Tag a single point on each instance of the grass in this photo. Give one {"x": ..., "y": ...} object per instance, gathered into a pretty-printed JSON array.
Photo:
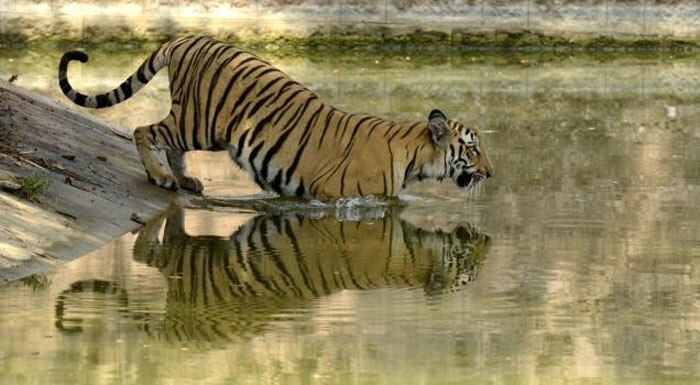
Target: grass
[{"x": 31, "y": 186}]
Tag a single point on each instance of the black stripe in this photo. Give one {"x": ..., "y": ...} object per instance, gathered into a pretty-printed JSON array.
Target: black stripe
[
  {"x": 258, "y": 127},
  {"x": 276, "y": 112},
  {"x": 375, "y": 125},
  {"x": 391, "y": 138},
  {"x": 272, "y": 151},
  {"x": 271, "y": 83},
  {"x": 182, "y": 133},
  {"x": 140, "y": 76},
  {"x": 241, "y": 143},
  {"x": 263, "y": 99},
  {"x": 102, "y": 101},
  {"x": 277, "y": 182},
  {"x": 324, "y": 282},
  {"x": 190, "y": 92},
  {"x": 410, "y": 129},
  {"x": 165, "y": 134},
  {"x": 80, "y": 99},
  {"x": 236, "y": 118},
  {"x": 277, "y": 94},
  {"x": 223, "y": 99},
  {"x": 193, "y": 269},
  {"x": 275, "y": 257},
  {"x": 212, "y": 87},
  {"x": 251, "y": 162},
  {"x": 411, "y": 163},
  {"x": 391, "y": 169},
  {"x": 277, "y": 222},
  {"x": 294, "y": 94},
  {"x": 183, "y": 59},
  {"x": 330, "y": 171},
  {"x": 301, "y": 263},
  {"x": 346, "y": 153},
  {"x": 305, "y": 137},
  {"x": 255, "y": 271},
  {"x": 174, "y": 132},
  {"x": 300, "y": 189},
  {"x": 290, "y": 127},
  {"x": 254, "y": 152},
  {"x": 357, "y": 126},
  {"x": 197, "y": 69},
  {"x": 152, "y": 132},
  {"x": 348, "y": 116},
  {"x": 326, "y": 126},
  {"x": 241, "y": 261},
  {"x": 342, "y": 180},
  {"x": 243, "y": 95},
  {"x": 126, "y": 89},
  {"x": 202, "y": 119},
  {"x": 150, "y": 65}
]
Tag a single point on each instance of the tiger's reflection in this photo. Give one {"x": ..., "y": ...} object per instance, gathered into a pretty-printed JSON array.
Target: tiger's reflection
[
  {"x": 273, "y": 266},
  {"x": 277, "y": 262}
]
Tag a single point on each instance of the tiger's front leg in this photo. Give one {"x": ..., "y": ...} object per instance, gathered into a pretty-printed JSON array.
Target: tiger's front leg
[{"x": 176, "y": 159}]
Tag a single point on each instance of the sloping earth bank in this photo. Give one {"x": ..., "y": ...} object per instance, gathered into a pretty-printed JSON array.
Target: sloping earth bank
[{"x": 98, "y": 189}]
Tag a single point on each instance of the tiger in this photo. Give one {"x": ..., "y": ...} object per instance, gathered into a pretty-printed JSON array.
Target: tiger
[
  {"x": 231, "y": 287},
  {"x": 225, "y": 98}
]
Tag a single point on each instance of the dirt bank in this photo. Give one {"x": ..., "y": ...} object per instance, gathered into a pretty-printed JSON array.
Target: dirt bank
[{"x": 96, "y": 186}]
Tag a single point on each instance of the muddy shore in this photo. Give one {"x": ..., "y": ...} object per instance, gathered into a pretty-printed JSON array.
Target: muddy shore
[{"x": 96, "y": 190}]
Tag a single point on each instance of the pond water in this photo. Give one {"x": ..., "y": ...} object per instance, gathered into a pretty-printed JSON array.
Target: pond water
[{"x": 578, "y": 263}]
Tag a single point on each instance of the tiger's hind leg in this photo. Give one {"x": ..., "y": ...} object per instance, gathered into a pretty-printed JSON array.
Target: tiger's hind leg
[{"x": 150, "y": 143}]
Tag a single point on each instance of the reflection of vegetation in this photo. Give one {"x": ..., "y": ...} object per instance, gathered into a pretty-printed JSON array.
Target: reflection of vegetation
[
  {"x": 36, "y": 282},
  {"x": 68, "y": 323}
]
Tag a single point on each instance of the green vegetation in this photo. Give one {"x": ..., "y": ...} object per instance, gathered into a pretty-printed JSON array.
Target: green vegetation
[
  {"x": 368, "y": 38},
  {"x": 31, "y": 186}
]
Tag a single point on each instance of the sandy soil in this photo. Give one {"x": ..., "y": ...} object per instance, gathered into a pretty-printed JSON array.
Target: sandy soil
[{"x": 98, "y": 186}]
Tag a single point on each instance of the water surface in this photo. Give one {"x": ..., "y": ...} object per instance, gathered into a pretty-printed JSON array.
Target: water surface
[{"x": 578, "y": 263}]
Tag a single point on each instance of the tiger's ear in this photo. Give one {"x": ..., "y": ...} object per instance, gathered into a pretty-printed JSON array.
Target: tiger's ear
[{"x": 437, "y": 124}]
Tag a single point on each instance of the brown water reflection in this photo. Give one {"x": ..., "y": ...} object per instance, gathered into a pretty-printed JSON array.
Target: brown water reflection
[{"x": 592, "y": 275}]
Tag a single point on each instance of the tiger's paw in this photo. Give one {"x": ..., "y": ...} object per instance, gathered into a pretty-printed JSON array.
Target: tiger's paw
[
  {"x": 192, "y": 184},
  {"x": 165, "y": 181}
]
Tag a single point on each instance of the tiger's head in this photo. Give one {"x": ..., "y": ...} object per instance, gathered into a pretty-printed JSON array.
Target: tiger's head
[
  {"x": 465, "y": 157},
  {"x": 463, "y": 252}
]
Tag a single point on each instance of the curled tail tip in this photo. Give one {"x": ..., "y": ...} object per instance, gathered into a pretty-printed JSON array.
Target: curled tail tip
[
  {"x": 70, "y": 56},
  {"x": 75, "y": 55}
]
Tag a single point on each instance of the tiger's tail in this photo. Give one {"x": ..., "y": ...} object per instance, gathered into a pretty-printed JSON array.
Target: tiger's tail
[{"x": 148, "y": 69}]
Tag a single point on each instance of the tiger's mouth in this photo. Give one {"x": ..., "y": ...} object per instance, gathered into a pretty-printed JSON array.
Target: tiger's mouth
[{"x": 466, "y": 180}]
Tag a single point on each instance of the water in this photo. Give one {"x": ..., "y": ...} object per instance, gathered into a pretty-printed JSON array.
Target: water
[{"x": 578, "y": 263}]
